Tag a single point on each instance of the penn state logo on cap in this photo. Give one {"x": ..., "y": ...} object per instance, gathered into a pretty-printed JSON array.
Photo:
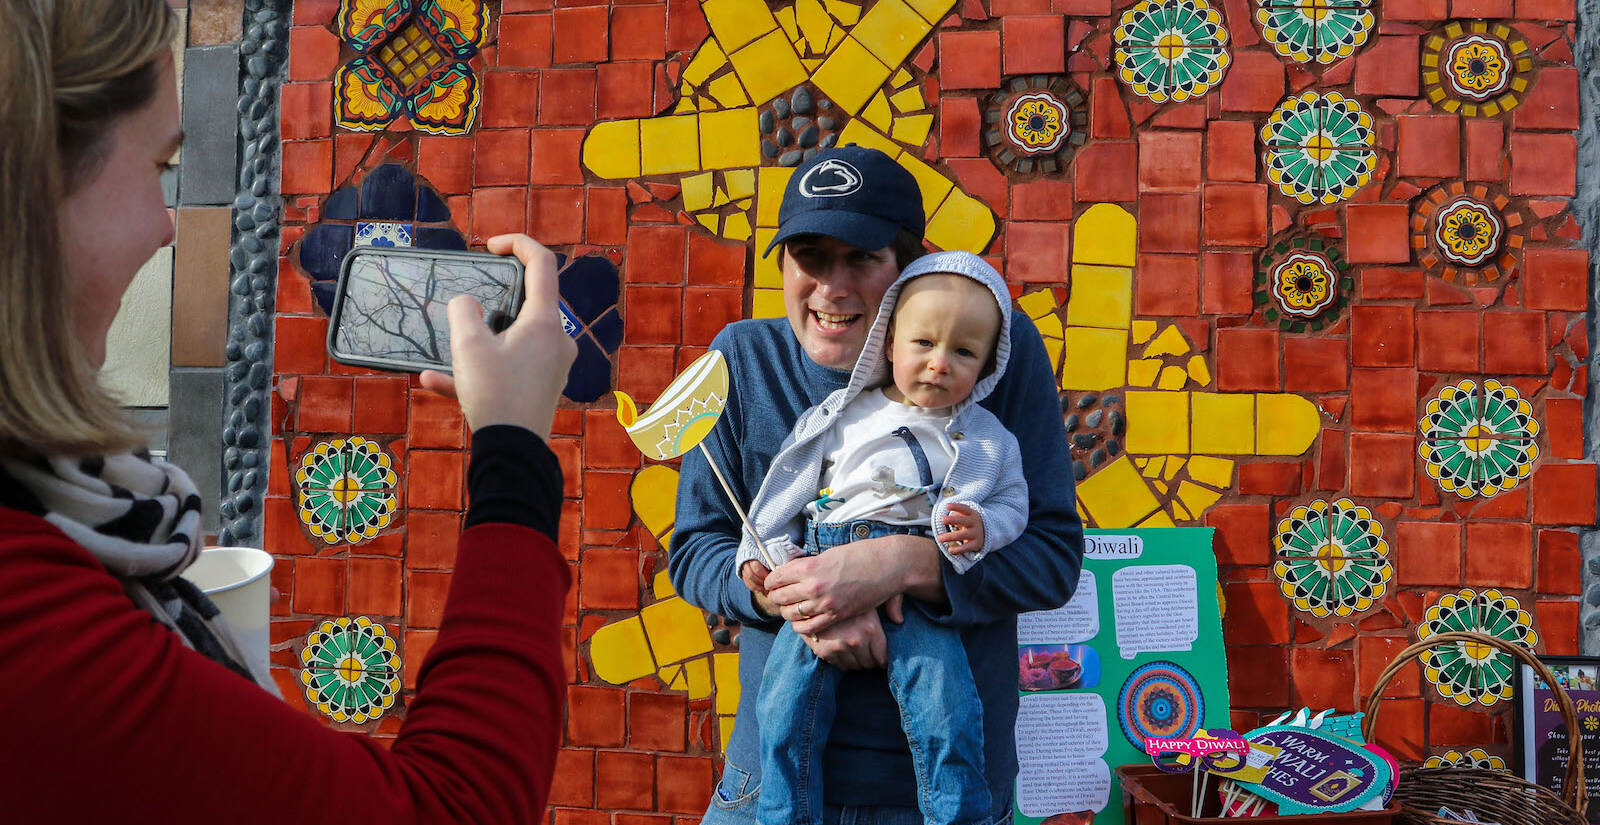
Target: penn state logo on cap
[{"x": 832, "y": 178}]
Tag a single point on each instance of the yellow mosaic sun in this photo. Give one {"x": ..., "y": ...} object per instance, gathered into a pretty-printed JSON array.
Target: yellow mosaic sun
[{"x": 712, "y": 138}]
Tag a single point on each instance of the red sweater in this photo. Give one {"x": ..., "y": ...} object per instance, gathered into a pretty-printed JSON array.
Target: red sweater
[{"x": 109, "y": 718}]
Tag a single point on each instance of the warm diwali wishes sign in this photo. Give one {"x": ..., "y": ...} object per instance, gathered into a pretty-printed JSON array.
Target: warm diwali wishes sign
[{"x": 1136, "y": 655}]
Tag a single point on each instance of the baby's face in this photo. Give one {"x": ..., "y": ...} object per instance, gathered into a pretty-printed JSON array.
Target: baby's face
[{"x": 943, "y": 330}]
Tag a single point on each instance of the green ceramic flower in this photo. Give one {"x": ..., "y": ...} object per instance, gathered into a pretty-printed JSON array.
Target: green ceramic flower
[
  {"x": 1478, "y": 442},
  {"x": 350, "y": 670},
  {"x": 345, "y": 490},
  {"x": 1171, "y": 49},
  {"x": 1475, "y": 673},
  {"x": 1331, "y": 558}
]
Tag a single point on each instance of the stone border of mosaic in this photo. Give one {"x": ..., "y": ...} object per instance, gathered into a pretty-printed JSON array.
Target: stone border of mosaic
[
  {"x": 1587, "y": 207},
  {"x": 253, "y": 267}
]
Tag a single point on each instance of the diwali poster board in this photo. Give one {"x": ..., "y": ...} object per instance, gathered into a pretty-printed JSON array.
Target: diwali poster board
[
  {"x": 1542, "y": 748},
  {"x": 1143, "y": 631}
]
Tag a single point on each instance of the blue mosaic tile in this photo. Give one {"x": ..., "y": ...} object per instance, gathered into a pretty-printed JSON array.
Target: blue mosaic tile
[
  {"x": 389, "y": 194},
  {"x": 430, "y": 207}
]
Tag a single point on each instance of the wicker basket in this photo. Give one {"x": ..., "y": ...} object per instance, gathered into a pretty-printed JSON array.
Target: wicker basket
[{"x": 1494, "y": 796}]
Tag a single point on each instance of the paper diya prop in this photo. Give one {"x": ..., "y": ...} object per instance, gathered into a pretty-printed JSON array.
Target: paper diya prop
[
  {"x": 1318, "y": 772},
  {"x": 681, "y": 419},
  {"x": 684, "y": 414}
]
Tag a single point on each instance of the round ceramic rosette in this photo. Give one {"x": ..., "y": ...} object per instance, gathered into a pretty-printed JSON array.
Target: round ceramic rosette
[
  {"x": 1476, "y": 68},
  {"x": 345, "y": 490},
  {"x": 1320, "y": 31},
  {"x": 350, "y": 670},
  {"x": 1302, "y": 281},
  {"x": 1470, "y": 674},
  {"x": 1319, "y": 147},
  {"x": 1331, "y": 559},
  {"x": 1476, "y": 758},
  {"x": 1478, "y": 442},
  {"x": 1171, "y": 49},
  {"x": 1468, "y": 232},
  {"x": 1034, "y": 124}
]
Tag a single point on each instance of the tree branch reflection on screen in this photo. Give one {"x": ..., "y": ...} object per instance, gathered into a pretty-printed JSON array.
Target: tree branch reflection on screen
[{"x": 394, "y": 307}]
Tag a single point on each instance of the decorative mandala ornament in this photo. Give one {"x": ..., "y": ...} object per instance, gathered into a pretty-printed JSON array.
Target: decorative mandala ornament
[
  {"x": 1320, "y": 31},
  {"x": 1468, "y": 233},
  {"x": 1475, "y": 673},
  {"x": 1303, "y": 281},
  {"x": 1319, "y": 148},
  {"x": 1331, "y": 559},
  {"x": 345, "y": 490},
  {"x": 1160, "y": 699},
  {"x": 1477, "y": 758},
  {"x": 412, "y": 59},
  {"x": 1478, "y": 442},
  {"x": 350, "y": 669},
  {"x": 1034, "y": 124},
  {"x": 1171, "y": 49},
  {"x": 1476, "y": 68}
]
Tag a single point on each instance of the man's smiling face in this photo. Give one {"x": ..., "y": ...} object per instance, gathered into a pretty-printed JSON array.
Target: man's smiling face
[{"x": 831, "y": 292}]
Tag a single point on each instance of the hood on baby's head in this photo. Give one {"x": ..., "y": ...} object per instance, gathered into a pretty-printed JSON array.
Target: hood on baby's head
[{"x": 872, "y": 369}]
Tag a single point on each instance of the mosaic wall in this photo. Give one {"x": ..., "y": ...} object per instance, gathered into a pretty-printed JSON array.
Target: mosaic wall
[{"x": 1309, "y": 272}]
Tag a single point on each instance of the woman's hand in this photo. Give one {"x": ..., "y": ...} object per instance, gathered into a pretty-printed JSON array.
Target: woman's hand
[
  {"x": 848, "y": 580},
  {"x": 514, "y": 377}
]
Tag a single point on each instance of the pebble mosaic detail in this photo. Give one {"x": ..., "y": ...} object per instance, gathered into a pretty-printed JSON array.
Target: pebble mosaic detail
[
  {"x": 1469, "y": 674},
  {"x": 1331, "y": 559},
  {"x": 350, "y": 670}
]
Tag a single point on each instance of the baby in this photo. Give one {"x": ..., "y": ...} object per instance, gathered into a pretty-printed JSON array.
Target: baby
[{"x": 904, "y": 448}]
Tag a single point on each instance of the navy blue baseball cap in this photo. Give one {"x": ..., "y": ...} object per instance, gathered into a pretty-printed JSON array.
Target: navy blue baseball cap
[{"x": 858, "y": 195}]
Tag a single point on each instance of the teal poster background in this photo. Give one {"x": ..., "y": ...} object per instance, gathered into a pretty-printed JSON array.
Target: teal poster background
[{"x": 1143, "y": 626}]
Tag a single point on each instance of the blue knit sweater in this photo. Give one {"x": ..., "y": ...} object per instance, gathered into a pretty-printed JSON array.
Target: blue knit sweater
[{"x": 867, "y": 761}]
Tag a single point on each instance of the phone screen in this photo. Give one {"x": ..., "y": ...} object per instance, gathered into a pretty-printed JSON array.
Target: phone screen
[{"x": 391, "y": 310}]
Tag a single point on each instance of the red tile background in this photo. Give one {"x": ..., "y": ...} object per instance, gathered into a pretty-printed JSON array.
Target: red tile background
[{"x": 641, "y": 754}]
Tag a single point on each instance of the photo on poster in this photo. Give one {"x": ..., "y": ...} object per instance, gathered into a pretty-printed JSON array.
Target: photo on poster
[
  {"x": 1541, "y": 730},
  {"x": 1057, "y": 667}
]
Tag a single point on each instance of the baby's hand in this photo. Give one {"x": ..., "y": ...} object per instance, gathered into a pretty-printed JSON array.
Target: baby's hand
[
  {"x": 754, "y": 575},
  {"x": 967, "y": 535}
]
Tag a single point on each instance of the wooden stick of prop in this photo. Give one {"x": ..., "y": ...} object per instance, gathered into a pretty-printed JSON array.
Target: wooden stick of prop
[
  {"x": 1194, "y": 786},
  {"x": 732, "y": 499}
]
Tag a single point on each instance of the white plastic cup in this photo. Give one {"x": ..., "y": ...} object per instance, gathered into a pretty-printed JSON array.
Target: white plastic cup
[{"x": 238, "y": 582}]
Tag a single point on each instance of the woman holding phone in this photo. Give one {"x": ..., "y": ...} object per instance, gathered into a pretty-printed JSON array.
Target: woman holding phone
[{"x": 128, "y": 698}]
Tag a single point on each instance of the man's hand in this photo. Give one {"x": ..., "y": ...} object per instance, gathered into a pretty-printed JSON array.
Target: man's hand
[
  {"x": 967, "y": 537},
  {"x": 855, "y": 643},
  {"x": 851, "y": 579}
]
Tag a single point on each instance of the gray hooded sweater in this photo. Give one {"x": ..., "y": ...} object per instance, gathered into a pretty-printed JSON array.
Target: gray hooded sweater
[{"x": 986, "y": 473}]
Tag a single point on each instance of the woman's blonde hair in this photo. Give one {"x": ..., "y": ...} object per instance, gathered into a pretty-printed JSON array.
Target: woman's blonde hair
[{"x": 68, "y": 70}]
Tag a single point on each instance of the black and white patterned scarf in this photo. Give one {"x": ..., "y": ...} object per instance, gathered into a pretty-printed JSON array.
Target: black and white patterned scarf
[{"x": 140, "y": 516}]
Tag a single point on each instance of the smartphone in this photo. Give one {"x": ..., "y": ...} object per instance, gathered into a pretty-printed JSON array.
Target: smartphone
[{"x": 389, "y": 309}]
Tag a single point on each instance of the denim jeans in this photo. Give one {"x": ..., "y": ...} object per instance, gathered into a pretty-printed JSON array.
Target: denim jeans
[{"x": 930, "y": 681}]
